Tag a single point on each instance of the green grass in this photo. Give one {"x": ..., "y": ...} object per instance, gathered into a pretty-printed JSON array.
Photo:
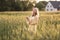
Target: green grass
[{"x": 13, "y": 26}]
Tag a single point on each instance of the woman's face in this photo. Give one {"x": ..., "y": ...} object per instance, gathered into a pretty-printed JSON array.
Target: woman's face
[{"x": 34, "y": 12}]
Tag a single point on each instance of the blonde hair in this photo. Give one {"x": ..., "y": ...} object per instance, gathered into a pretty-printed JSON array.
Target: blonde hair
[{"x": 35, "y": 12}]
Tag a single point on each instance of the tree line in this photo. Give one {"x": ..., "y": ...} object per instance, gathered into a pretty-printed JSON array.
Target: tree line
[{"x": 17, "y": 5}]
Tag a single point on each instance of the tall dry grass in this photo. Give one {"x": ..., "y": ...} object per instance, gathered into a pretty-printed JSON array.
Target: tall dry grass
[{"x": 13, "y": 26}]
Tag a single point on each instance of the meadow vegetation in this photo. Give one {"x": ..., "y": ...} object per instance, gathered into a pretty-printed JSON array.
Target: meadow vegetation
[{"x": 13, "y": 26}]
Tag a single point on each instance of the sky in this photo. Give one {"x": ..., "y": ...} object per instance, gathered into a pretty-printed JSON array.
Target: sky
[{"x": 45, "y": 0}]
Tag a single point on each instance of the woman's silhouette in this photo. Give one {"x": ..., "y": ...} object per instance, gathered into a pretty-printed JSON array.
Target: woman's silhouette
[{"x": 33, "y": 20}]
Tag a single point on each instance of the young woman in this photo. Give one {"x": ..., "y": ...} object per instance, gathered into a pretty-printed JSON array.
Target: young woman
[{"x": 33, "y": 19}]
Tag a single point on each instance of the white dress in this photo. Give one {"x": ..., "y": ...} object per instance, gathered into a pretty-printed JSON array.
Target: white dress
[{"x": 33, "y": 20}]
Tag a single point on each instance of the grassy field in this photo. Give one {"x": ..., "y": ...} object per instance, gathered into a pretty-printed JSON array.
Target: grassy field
[{"x": 13, "y": 26}]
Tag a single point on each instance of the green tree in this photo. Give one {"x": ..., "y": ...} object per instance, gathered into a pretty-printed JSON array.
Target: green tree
[
  {"x": 2, "y": 5},
  {"x": 15, "y": 5},
  {"x": 41, "y": 5},
  {"x": 6, "y": 5}
]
